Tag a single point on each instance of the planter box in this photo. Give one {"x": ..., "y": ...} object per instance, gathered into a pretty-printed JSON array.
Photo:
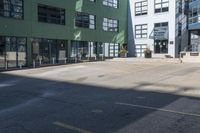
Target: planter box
[
  {"x": 148, "y": 55},
  {"x": 124, "y": 55}
]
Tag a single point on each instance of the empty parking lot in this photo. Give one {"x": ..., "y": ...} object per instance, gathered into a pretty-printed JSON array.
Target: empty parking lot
[{"x": 102, "y": 97}]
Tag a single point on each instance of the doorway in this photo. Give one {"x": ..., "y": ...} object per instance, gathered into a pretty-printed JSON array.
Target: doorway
[{"x": 161, "y": 46}]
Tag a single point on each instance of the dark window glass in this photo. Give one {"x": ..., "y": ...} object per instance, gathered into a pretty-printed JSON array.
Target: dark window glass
[
  {"x": 52, "y": 15},
  {"x": 85, "y": 20},
  {"x": 12, "y": 8},
  {"x": 49, "y": 51},
  {"x": 179, "y": 29},
  {"x": 2, "y": 52}
]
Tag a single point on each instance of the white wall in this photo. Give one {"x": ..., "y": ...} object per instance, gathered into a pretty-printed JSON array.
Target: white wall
[{"x": 152, "y": 18}]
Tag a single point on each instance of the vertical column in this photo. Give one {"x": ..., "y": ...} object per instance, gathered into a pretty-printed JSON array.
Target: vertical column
[
  {"x": 68, "y": 43},
  {"x": 29, "y": 52},
  {"x": 104, "y": 50},
  {"x": 98, "y": 49}
]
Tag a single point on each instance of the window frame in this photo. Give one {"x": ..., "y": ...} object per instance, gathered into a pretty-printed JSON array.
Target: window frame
[
  {"x": 111, "y": 3},
  {"x": 141, "y": 31},
  {"x": 89, "y": 20},
  {"x": 49, "y": 19},
  {"x": 161, "y": 6},
  {"x": 140, "y": 7},
  {"x": 108, "y": 23}
]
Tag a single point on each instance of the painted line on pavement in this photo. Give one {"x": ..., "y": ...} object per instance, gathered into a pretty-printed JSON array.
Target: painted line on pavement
[
  {"x": 158, "y": 109},
  {"x": 60, "y": 124}
]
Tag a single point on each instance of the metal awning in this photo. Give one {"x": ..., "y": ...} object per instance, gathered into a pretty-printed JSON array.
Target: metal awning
[{"x": 159, "y": 33}]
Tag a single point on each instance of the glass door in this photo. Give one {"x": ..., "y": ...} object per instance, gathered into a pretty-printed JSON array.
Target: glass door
[
  {"x": 45, "y": 52},
  {"x": 61, "y": 51},
  {"x": 161, "y": 46}
]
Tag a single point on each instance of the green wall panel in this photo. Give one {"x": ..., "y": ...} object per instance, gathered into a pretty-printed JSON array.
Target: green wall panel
[{"x": 30, "y": 27}]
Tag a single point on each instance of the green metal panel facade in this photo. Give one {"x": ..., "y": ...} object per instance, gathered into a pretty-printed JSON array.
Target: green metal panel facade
[{"x": 30, "y": 27}]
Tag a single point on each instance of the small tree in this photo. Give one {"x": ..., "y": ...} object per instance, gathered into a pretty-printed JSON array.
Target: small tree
[{"x": 123, "y": 50}]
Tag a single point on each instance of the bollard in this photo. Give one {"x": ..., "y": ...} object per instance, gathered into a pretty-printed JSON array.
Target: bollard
[
  {"x": 33, "y": 63},
  {"x": 65, "y": 60},
  {"x": 20, "y": 66},
  {"x": 40, "y": 62},
  {"x": 53, "y": 60}
]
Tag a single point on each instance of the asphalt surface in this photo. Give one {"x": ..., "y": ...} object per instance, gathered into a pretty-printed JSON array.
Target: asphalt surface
[{"x": 103, "y": 97}]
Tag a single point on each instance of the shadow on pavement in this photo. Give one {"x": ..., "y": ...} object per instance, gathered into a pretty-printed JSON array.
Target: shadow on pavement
[{"x": 44, "y": 106}]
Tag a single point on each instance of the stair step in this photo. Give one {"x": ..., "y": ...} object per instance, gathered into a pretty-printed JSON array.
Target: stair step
[{"x": 172, "y": 60}]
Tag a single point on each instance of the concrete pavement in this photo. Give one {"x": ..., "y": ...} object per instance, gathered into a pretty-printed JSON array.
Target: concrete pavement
[{"x": 102, "y": 97}]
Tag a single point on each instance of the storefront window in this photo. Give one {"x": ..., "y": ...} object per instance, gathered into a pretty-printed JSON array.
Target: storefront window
[
  {"x": 49, "y": 51},
  {"x": 83, "y": 50},
  {"x": 111, "y": 50},
  {"x": 13, "y": 51}
]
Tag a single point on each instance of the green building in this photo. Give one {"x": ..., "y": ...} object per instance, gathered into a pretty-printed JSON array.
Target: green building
[{"x": 41, "y": 32}]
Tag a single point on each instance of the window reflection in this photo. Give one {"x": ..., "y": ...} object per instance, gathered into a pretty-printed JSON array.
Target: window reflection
[
  {"x": 11, "y": 8},
  {"x": 49, "y": 51},
  {"x": 12, "y": 51}
]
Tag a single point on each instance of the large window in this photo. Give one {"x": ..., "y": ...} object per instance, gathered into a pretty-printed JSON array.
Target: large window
[
  {"x": 52, "y": 15},
  {"x": 12, "y": 51},
  {"x": 110, "y": 25},
  {"x": 141, "y": 31},
  {"x": 161, "y": 6},
  {"x": 111, "y": 50},
  {"x": 141, "y": 8},
  {"x": 12, "y": 8},
  {"x": 111, "y": 3},
  {"x": 85, "y": 20},
  {"x": 49, "y": 51},
  {"x": 83, "y": 50}
]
